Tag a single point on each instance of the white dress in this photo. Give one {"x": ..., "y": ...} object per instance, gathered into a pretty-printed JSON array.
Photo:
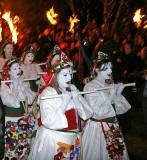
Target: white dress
[
  {"x": 102, "y": 130},
  {"x": 50, "y": 141},
  {"x": 16, "y": 124}
]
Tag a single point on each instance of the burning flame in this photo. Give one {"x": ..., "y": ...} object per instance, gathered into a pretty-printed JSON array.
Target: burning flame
[
  {"x": 52, "y": 17},
  {"x": 13, "y": 29},
  {"x": 138, "y": 17},
  {"x": 15, "y": 19},
  {"x": 73, "y": 19},
  {"x": 0, "y": 32}
]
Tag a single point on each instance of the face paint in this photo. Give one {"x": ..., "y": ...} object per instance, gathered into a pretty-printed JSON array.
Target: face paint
[
  {"x": 107, "y": 72},
  {"x": 15, "y": 71},
  {"x": 8, "y": 51},
  {"x": 64, "y": 78},
  {"x": 29, "y": 58}
]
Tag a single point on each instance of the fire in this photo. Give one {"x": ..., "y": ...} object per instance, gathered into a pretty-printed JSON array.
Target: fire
[
  {"x": 0, "y": 32},
  {"x": 73, "y": 19},
  {"x": 138, "y": 17},
  {"x": 15, "y": 19},
  {"x": 52, "y": 17},
  {"x": 145, "y": 26},
  {"x": 13, "y": 28}
]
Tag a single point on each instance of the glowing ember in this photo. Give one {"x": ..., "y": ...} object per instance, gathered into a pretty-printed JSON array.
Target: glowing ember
[
  {"x": 0, "y": 32},
  {"x": 138, "y": 17},
  {"x": 16, "y": 19},
  {"x": 73, "y": 19},
  {"x": 145, "y": 26},
  {"x": 13, "y": 29},
  {"x": 52, "y": 17}
]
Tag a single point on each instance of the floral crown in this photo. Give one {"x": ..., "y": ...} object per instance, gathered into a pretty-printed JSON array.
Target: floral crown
[
  {"x": 6, "y": 67},
  {"x": 101, "y": 56},
  {"x": 31, "y": 50},
  {"x": 62, "y": 63}
]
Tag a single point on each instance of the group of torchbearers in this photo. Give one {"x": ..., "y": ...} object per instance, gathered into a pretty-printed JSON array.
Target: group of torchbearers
[{"x": 48, "y": 118}]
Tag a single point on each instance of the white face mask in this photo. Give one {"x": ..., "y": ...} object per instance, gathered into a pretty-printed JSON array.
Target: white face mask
[
  {"x": 15, "y": 71},
  {"x": 106, "y": 74},
  {"x": 8, "y": 51},
  {"x": 29, "y": 58},
  {"x": 64, "y": 78}
]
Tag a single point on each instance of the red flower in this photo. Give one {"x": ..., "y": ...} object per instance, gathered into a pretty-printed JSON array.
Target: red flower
[
  {"x": 12, "y": 129},
  {"x": 72, "y": 147}
]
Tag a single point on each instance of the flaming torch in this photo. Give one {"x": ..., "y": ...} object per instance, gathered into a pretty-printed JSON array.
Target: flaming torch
[
  {"x": 52, "y": 17},
  {"x": 138, "y": 17},
  {"x": 13, "y": 29},
  {"x": 73, "y": 19},
  {"x": 0, "y": 30}
]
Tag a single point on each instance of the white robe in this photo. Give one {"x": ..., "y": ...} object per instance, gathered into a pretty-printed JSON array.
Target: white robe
[
  {"x": 11, "y": 96},
  {"x": 53, "y": 118},
  {"x": 93, "y": 140}
]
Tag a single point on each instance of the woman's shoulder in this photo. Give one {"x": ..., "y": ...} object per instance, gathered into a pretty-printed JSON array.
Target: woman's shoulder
[{"x": 48, "y": 91}]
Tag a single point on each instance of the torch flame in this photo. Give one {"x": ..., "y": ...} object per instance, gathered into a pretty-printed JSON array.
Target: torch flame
[
  {"x": 15, "y": 19},
  {"x": 0, "y": 32},
  {"x": 145, "y": 26},
  {"x": 52, "y": 17},
  {"x": 13, "y": 29},
  {"x": 138, "y": 17},
  {"x": 73, "y": 19}
]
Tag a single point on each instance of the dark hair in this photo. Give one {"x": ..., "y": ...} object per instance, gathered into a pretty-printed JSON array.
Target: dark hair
[
  {"x": 104, "y": 61},
  {"x": 5, "y": 44}
]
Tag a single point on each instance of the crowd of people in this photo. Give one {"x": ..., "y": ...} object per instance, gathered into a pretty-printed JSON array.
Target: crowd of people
[{"x": 44, "y": 116}]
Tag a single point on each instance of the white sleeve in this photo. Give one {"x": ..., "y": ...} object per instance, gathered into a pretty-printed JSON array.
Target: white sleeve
[
  {"x": 84, "y": 109},
  {"x": 97, "y": 101},
  {"x": 8, "y": 98},
  {"x": 121, "y": 105},
  {"x": 52, "y": 116}
]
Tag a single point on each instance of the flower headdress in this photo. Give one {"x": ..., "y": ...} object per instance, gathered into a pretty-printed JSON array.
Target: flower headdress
[
  {"x": 64, "y": 62},
  {"x": 100, "y": 57},
  {"x": 7, "y": 66},
  {"x": 59, "y": 64},
  {"x": 31, "y": 50}
]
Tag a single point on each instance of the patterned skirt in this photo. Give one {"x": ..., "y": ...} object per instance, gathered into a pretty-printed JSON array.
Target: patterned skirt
[{"x": 18, "y": 138}]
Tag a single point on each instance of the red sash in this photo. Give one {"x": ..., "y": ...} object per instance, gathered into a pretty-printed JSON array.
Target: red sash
[{"x": 71, "y": 119}]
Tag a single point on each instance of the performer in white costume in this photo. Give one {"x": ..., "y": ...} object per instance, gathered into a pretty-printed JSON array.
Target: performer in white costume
[
  {"x": 57, "y": 138},
  {"x": 102, "y": 138},
  {"x": 18, "y": 124},
  {"x": 7, "y": 51},
  {"x": 30, "y": 68}
]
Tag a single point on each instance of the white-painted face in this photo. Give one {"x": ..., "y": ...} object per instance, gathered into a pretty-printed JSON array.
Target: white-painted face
[
  {"x": 64, "y": 78},
  {"x": 107, "y": 72},
  {"x": 15, "y": 71},
  {"x": 8, "y": 50},
  {"x": 29, "y": 58}
]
